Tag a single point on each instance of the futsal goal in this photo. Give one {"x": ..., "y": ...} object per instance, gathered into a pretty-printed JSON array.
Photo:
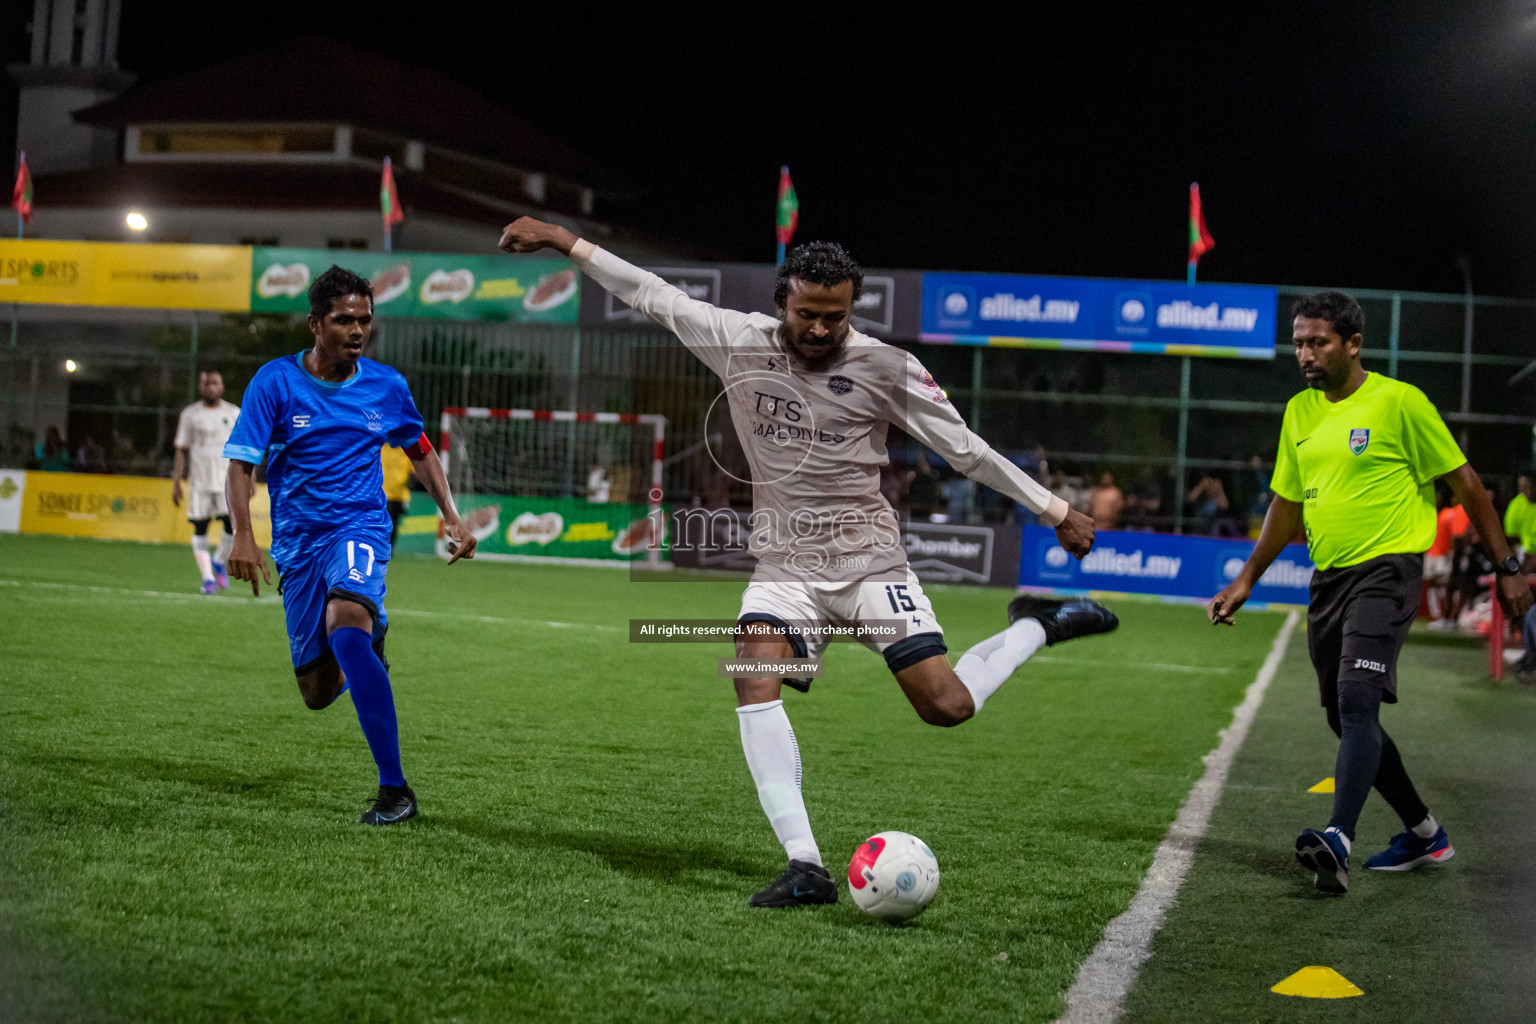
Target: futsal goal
[{"x": 556, "y": 485}]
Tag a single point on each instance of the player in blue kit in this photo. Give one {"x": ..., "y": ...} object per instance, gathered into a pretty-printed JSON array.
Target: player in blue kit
[{"x": 320, "y": 418}]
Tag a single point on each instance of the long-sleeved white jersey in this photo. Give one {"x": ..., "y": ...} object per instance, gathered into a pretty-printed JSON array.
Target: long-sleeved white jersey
[{"x": 815, "y": 439}]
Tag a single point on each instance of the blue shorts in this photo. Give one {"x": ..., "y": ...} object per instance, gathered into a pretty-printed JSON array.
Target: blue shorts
[{"x": 348, "y": 564}]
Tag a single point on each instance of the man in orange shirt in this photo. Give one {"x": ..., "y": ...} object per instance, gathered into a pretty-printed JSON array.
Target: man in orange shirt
[{"x": 1451, "y": 524}]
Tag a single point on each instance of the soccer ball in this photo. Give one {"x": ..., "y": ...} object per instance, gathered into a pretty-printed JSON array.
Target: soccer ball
[{"x": 893, "y": 876}]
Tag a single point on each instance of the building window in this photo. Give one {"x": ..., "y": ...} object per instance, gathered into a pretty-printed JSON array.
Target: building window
[
  {"x": 177, "y": 141},
  {"x": 268, "y": 240},
  {"x": 346, "y": 243}
]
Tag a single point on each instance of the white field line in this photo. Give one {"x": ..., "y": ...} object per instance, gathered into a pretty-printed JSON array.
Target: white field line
[
  {"x": 1156, "y": 665},
  {"x": 201, "y": 601},
  {"x": 1098, "y": 994}
]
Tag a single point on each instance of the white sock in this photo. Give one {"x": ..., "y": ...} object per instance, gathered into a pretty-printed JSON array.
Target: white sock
[
  {"x": 1340, "y": 833},
  {"x": 226, "y": 542},
  {"x": 774, "y": 758},
  {"x": 988, "y": 665},
  {"x": 200, "y": 553},
  {"x": 1427, "y": 828}
]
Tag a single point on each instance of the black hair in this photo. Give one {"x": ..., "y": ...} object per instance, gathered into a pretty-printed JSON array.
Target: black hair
[
  {"x": 823, "y": 263},
  {"x": 336, "y": 283},
  {"x": 1341, "y": 311}
]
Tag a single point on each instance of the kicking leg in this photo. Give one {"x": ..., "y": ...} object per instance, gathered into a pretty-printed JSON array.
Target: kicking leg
[{"x": 773, "y": 757}]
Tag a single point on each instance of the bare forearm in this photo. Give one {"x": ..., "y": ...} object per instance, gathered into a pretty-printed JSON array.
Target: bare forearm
[
  {"x": 1470, "y": 493},
  {"x": 430, "y": 472},
  {"x": 179, "y": 466},
  {"x": 240, "y": 485},
  {"x": 1280, "y": 524}
]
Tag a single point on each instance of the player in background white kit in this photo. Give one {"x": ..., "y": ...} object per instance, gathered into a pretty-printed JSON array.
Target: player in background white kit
[
  {"x": 811, "y": 401},
  {"x": 200, "y": 435}
]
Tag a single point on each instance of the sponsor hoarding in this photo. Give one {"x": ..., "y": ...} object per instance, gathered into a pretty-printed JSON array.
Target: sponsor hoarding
[
  {"x": 456, "y": 287},
  {"x": 1189, "y": 568},
  {"x": 13, "y": 491},
  {"x": 562, "y": 528},
  {"x": 978, "y": 555},
  {"x": 1099, "y": 315},
  {"x": 114, "y": 508},
  {"x": 215, "y": 277}
]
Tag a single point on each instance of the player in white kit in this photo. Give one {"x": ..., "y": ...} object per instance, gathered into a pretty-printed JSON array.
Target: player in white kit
[
  {"x": 200, "y": 435},
  {"x": 811, "y": 400}
]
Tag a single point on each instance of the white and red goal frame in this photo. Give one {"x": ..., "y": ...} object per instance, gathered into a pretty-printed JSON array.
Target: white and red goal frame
[{"x": 655, "y": 421}]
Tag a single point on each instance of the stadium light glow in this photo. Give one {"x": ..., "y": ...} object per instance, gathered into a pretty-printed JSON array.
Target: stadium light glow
[
  {"x": 136, "y": 221},
  {"x": 70, "y": 366}
]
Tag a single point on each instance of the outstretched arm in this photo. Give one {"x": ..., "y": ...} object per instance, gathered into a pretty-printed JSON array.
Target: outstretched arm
[
  {"x": 1467, "y": 486},
  {"x": 429, "y": 470},
  {"x": 1280, "y": 524},
  {"x": 245, "y": 560},
  {"x": 707, "y": 330}
]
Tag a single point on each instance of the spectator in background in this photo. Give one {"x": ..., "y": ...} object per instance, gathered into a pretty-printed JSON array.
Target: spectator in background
[
  {"x": 959, "y": 493},
  {"x": 90, "y": 457},
  {"x": 1145, "y": 502},
  {"x": 1251, "y": 494},
  {"x": 1451, "y": 525},
  {"x": 1066, "y": 489},
  {"x": 1033, "y": 463},
  {"x": 51, "y": 454},
  {"x": 1520, "y": 519},
  {"x": 397, "y": 487},
  {"x": 922, "y": 490},
  {"x": 1106, "y": 503},
  {"x": 1208, "y": 503}
]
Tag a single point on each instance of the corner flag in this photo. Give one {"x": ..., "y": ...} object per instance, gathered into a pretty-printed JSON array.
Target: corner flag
[
  {"x": 1200, "y": 240},
  {"x": 788, "y": 211}
]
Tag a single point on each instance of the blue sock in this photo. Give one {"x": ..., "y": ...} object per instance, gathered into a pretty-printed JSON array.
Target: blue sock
[{"x": 374, "y": 700}]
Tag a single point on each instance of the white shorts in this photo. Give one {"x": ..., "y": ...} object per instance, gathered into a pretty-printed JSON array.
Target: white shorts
[
  {"x": 1437, "y": 568},
  {"x": 899, "y": 617},
  {"x": 206, "y": 504}
]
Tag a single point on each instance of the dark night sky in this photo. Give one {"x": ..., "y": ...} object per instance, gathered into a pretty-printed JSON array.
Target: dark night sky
[{"x": 1352, "y": 144}]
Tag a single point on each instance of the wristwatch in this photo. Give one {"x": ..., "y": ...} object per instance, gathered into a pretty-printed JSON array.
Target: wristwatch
[{"x": 1510, "y": 566}]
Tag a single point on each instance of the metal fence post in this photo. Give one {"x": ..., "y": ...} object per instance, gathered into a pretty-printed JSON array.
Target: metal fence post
[
  {"x": 11, "y": 389},
  {"x": 1178, "y": 494},
  {"x": 192, "y": 363},
  {"x": 1392, "y": 338},
  {"x": 976, "y": 389}
]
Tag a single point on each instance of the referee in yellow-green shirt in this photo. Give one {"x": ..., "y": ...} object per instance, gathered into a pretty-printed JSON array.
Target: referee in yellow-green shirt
[{"x": 1358, "y": 458}]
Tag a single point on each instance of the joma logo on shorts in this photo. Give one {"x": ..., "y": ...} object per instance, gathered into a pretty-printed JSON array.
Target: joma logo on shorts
[{"x": 1374, "y": 666}]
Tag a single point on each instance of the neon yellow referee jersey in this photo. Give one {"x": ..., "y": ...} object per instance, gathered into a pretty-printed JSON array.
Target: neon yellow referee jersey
[
  {"x": 1520, "y": 521},
  {"x": 1364, "y": 470}
]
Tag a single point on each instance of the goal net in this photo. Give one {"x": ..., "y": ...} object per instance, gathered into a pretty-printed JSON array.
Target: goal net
[{"x": 556, "y": 485}]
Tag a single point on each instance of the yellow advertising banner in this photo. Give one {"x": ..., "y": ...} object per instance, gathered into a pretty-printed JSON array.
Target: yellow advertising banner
[
  {"x": 214, "y": 277},
  {"x": 118, "y": 508}
]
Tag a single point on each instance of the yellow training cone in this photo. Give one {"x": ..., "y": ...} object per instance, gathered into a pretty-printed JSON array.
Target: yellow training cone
[
  {"x": 1318, "y": 983},
  {"x": 1326, "y": 786}
]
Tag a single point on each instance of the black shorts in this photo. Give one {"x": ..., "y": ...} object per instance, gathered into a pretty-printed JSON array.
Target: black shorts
[{"x": 1358, "y": 620}]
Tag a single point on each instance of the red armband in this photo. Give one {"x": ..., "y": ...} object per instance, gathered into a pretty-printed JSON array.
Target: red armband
[{"x": 420, "y": 448}]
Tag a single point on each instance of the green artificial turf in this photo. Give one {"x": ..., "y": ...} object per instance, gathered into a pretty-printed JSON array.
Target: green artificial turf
[
  {"x": 179, "y": 837},
  {"x": 1452, "y": 943}
]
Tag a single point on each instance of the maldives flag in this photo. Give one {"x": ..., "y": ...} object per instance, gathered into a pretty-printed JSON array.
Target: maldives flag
[
  {"x": 1200, "y": 240},
  {"x": 789, "y": 208},
  {"x": 389, "y": 199},
  {"x": 21, "y": 195}
]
